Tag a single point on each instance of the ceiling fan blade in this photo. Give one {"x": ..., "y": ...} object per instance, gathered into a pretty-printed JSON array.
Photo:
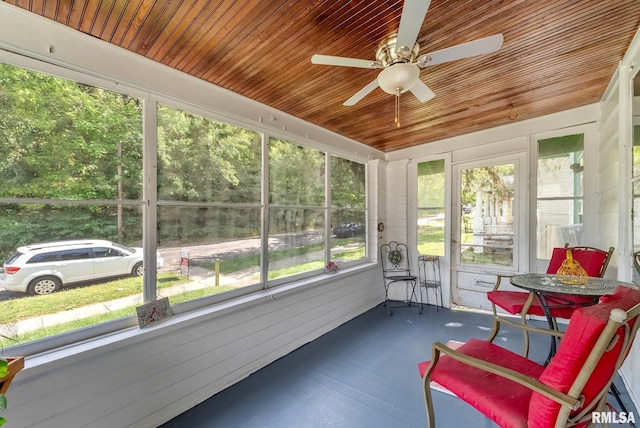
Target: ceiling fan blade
[
  {"x": 422, "y": 91},
  {"x": 344, "y": 62},
  {"x": 477, "y": 47},
  {"x": 413, "y": 13},
  {"x": 361, "y": 93}
]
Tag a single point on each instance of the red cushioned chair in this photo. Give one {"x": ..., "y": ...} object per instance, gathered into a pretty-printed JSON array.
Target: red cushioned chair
[
  {"x": 593, "y": 260},
  {"x": 519, "y": 393}
]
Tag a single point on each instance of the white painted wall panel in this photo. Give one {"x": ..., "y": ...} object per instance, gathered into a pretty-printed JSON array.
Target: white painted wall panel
[
  {"x": 615, "y": 187},
  {"x": 396, "y": 207},
  {"x": 609, "y": 128},
  {"x": 608, "y": 156},
  {"x": 159, "y": 372}
]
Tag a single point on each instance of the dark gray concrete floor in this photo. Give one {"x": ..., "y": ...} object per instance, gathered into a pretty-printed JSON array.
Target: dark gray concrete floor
[{"x": 362, "y": 374}]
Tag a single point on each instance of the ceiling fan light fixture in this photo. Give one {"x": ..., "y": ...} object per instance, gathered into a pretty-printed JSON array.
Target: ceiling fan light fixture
[{"x": 398, "y": 78}]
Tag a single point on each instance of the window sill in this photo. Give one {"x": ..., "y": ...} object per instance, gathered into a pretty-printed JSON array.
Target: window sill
[{"x": 39, "y": 364}]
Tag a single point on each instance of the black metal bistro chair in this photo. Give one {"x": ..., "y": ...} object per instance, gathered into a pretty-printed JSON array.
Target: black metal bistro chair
[{"x": 396, "y": 268}]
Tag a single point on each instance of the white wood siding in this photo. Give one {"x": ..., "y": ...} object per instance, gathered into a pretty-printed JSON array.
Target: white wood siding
[
  {"x": 608, "y": 174},
  {"x": 396, "y": 207},
  {"x": 617, "y": 109},
  {"x": 144, "y": 378}
]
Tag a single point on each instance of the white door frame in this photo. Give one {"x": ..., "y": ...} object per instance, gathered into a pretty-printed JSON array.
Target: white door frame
[{"x": 470, "y": 282}]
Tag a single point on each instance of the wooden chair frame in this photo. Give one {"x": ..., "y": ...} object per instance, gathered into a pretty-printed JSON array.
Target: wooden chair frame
[{"x": 572, "y": 398}]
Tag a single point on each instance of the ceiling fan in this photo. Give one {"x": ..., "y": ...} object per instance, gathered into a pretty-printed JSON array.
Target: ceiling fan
[{"x": 397, "y": 56}]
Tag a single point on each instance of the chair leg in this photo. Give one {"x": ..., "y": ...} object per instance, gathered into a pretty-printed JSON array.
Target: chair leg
[
  {"x": 494, "y": 330},
  {"x": 616, "y": 394},
  {"x": 413, "y": 297},
  {"x": 417, "y": 284},
  {"x": 496, "y": 324},
  {"x": 410, "y": 295},
  {"x": 428, "y": 400},
  {"x": 387, "y": 303},
  {"x": 525, "y": 333}
]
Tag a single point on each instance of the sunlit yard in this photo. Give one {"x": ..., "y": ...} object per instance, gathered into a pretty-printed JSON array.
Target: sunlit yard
[{"x": 23, "y": 308}]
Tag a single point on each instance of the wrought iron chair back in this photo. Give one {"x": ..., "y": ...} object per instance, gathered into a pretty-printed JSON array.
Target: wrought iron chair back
[{"x": 394, "y": 257}]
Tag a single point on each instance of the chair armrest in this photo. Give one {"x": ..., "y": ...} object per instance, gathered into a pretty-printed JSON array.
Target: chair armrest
[
  {"x": 526, "y": 381},
  {"x": 499, "y": 280}
]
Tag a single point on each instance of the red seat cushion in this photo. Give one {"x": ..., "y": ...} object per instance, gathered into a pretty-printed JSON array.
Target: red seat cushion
[
  {"x": 514, "y": 301},
  {"x": 487, "y": 392},
  {"x": 582, "y": 333}
]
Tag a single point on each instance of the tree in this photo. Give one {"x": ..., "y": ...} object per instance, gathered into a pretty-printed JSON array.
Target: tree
[{"x": 60, "y": 142}]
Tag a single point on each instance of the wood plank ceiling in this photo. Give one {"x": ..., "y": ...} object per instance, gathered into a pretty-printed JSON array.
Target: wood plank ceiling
[{"x": 557, "y": 55}]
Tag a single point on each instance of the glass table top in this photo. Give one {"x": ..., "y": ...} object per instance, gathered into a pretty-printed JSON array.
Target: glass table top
[{"x": 546, "y": 283}]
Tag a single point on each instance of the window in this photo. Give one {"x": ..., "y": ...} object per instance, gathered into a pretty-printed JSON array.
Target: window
[
  {"x": 348, "y": 210},
  {"x": 72, "y": 169},
  {"x": 41, "y": 258},
  {"x": 489, "y": 240},
  {"x": 559, "y": 193},
  {"x": 100, "y": 252},
  {"x": 296, "y": 209},
  {"x": 75, "y": 254},
  {"x": 635, "y": 179},
  {"x": 209, "y": 190},
  {"x": 431, "y": 214}
]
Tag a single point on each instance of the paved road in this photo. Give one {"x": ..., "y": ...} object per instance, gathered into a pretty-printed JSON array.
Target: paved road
[
  {"x": 237, "y": 248},
  {"x": 204, "y": 253}
]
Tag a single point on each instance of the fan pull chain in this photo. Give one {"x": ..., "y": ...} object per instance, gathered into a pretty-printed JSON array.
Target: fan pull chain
[{"x": 397, "y": 119}]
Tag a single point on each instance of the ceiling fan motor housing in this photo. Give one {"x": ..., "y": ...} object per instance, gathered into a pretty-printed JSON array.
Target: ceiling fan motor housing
[{"x": 387, "y": 54}]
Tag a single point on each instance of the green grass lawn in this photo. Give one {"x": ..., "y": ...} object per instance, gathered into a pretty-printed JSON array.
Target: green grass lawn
[
  {"x": 431, "y": 239},
  {"x": 27, "y": 307},
  {"x": 24, "y": 308},
  {"x": 96, "y": 319},
  {"x": 70, "y": 298},
  {"x": 236, "y": 264}
]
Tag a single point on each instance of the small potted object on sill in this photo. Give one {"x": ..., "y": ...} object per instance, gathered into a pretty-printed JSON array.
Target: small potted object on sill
[{"x": 332, "y": 267}]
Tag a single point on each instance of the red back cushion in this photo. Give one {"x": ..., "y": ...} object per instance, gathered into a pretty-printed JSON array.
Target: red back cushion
[
  {"x": 590, "y": 260},
  {"x": 585, "y": 327}
]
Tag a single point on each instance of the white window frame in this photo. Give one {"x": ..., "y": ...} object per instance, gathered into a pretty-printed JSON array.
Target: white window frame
[
  {"x": 590, "y": 194},
  {"x": 149, "y": 199}
]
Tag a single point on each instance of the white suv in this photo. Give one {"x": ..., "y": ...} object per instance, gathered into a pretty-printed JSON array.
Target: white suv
[{"x": 45, "y": 268}]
